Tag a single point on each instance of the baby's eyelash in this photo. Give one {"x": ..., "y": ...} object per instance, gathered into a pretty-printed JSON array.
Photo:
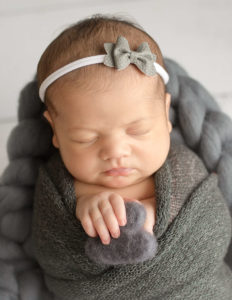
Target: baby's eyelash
[
  {"x": 138, "y": 132},
  {"x": 85, "y": 142}
]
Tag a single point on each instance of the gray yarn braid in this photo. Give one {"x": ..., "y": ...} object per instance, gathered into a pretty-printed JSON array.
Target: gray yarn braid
[
  {"x": 200, "y": 124},
  {"x": 197, "y": 122}
]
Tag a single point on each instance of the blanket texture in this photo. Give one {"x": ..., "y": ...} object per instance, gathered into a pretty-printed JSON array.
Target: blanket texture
[{"x": 193, "y": 229}]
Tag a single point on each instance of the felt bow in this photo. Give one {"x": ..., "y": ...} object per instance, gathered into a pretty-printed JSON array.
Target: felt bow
[{"x": 120, "y": 56}]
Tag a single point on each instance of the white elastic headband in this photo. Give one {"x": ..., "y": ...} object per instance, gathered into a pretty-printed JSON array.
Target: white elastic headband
[{"x": 84, "y": 62}]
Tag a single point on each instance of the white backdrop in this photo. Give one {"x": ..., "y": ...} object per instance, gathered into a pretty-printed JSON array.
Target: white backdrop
[{"x": 196, "y": 33}]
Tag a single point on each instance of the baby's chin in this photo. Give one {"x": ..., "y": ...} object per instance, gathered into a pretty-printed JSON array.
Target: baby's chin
[{"x": 118, "y": 182}]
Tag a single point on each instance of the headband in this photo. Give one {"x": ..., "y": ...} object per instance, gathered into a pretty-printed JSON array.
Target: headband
[{"x": 119, "y": 56}]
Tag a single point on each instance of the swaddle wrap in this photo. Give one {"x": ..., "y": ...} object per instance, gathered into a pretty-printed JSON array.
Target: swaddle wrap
[{"x": 193, "y": 230}]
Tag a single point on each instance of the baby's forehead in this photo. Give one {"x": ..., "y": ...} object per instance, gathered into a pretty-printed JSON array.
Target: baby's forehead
[
  {"x": 129, "y": 82},
  {"x": 104, "y": 79}
]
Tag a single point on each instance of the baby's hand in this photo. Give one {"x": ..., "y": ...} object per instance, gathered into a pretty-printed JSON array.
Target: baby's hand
[{"x": 100, "y": 214}]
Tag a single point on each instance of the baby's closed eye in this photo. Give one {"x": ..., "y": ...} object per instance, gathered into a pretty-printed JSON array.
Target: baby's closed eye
[
  {"x": 138, "y": 131},
  {"x": 130, "y": 131}
]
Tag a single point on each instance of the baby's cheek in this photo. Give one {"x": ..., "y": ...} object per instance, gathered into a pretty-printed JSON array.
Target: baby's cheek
[
  {"x": 81, "y": 164},
  {"x": 155, "y": 154},
  {"x": 72, "y": 160}
]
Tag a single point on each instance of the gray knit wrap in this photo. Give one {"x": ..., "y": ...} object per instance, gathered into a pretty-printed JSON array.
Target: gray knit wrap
[
  {"x": 193, "y": 229},
  {"x": 197, "y": 122}
]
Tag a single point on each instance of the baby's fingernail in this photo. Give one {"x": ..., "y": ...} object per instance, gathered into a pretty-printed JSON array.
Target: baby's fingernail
[
  {"x": 124, "y": 222},
  {"x": 106, "y": 241},
  {"x": 116, "y": 233}
]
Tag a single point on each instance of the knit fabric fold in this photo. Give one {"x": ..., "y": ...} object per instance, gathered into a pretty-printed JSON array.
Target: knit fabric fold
[{"x": 193, "y": 229}]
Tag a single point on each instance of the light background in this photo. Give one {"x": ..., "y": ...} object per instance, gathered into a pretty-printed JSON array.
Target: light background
[{"x": 195, "y": 33}]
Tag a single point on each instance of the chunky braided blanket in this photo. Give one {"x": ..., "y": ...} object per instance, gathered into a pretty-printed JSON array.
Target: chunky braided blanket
[{"x": 197, "y": 122}]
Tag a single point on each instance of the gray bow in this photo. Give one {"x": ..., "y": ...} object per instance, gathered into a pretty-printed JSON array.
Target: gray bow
[{"x": 120, "y": 56}]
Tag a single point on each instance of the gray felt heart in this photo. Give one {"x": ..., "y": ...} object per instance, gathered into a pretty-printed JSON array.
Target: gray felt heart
[{"x": 134, "y": 244}]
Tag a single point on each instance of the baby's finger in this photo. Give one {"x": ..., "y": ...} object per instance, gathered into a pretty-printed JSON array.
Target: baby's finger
[
  {"x": 88, "y": 226},
  {"x": 119, "y": 208},
  {"x": 100, "y": 226},
  {"x": 109, "y": 218}
]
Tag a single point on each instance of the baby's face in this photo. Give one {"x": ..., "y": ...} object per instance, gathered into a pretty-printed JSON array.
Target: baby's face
[{"x": 122, "y": 126}]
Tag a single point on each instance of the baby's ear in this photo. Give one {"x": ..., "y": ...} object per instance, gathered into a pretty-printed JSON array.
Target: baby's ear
[
  {"x": 168, "y": 104},
  {"x": 48, "y": 117}
]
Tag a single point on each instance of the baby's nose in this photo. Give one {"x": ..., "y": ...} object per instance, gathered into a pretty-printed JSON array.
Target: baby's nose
[{"x": 114, "y": 147}]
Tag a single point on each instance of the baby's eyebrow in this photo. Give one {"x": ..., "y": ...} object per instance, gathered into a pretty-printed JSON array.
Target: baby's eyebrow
[{"x": 93, "y": 129}]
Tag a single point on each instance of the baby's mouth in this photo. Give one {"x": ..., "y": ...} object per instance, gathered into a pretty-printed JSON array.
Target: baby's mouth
[{"x": 119, "y": 172}]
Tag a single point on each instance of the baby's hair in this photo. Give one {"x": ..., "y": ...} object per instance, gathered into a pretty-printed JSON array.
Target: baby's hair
[{"x": 87, "y": 38}]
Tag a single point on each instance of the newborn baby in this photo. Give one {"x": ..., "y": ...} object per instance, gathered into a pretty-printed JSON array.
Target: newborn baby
[
  {"x": 105, "y": 130},
  {"x": 105, "y": 127}
]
